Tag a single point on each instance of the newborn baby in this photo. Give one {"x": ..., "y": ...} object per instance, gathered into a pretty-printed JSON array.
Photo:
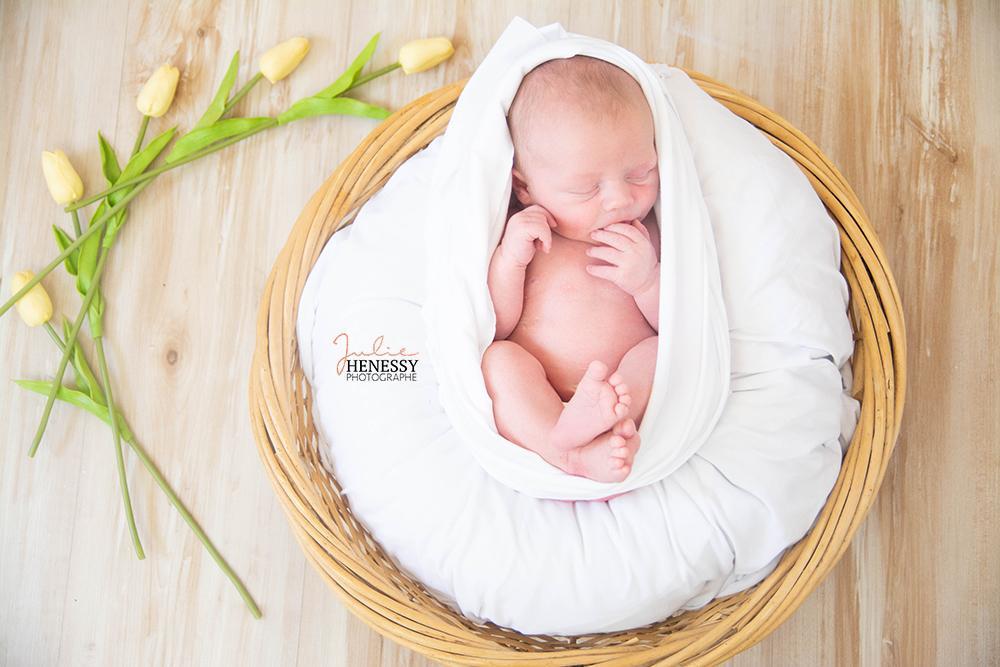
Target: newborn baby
[{"x": 577, "y": 321}]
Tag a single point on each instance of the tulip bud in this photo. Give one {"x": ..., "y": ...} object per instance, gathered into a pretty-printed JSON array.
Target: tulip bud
[
  {"x": 279, "y": 61},
  {"x": 158, "y": 93},
  {"x": 35, "y": 307},
  {"x": 421, "y": 54},
  {"x": 64, "y": 183}
]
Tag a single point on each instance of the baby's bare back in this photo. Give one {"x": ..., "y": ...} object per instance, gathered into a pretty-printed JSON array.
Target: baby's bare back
[{"x": 569, "y": 317}]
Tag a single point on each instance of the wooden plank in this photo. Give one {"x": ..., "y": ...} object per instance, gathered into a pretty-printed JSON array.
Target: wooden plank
[{"x": 902, "y": 97}]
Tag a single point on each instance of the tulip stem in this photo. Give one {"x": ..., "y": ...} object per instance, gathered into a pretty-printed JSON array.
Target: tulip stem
[
  {"x": 114, "y": 416},
  {"x": 106, "y": 382},
  {"x": 149, "y": 175},
  {"x": 142, "y": 135},
  {"x": 372, "y": 75},
  {"x": 215, "y": 147},
  {"x": 53, "y": 335},
  {"x": 190, "y": 520},
  {"x": 93, "y": 229},
  {"x": 114, "y": 429},
  {"x": 91, "y": 291},
  {"x": 122, "y": 479},
  {"x": 242, "y": 92}
]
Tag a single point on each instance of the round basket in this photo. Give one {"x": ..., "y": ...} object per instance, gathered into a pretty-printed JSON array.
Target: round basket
[{"x": 372, "y": 586}]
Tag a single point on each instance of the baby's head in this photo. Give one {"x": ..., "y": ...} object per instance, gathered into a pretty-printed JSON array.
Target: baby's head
[{"x": 584, "y": 146}]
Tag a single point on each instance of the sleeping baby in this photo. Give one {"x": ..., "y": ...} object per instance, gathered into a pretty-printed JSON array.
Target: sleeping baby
[{"x": 571, "y": 365}]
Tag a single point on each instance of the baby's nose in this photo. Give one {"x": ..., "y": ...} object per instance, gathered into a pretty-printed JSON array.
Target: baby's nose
[{"x": 617, "y": 196}]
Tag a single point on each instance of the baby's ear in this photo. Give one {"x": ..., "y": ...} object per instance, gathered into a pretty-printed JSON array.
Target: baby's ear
[{"x": 520, "y": 187}]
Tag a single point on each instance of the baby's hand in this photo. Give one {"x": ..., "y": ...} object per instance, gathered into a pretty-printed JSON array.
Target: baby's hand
[
  {"x": 523, "y": 229},
  {"x": 628, "y": 248}
]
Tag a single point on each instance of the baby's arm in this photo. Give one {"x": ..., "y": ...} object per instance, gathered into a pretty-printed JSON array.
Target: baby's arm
[
  {"x": 648, "y": 300},
  {"x": 523, "y": 232},
  {"x": 506, "y": 284}
]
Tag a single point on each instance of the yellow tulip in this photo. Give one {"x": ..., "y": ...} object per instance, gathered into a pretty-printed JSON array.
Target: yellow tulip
[
  {"x": 35, "y": 307},
  {"x": 279, "y": 61},
  {"x": 158, "y": 93},
  {"x": 64, "y": 183},
  {"x": 421, "y": 54}
]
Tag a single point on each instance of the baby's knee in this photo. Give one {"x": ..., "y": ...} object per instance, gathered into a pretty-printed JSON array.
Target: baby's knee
[
  {"x": 500, "y": 353},
  {"x": 509, "y": 357},
  {"x": 642, "y": 354}
]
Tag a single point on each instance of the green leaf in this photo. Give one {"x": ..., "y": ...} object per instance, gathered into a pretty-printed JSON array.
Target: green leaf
[
  {"x": 136, "y": 166},
  {"x": 80, "y": 400},
  {"x": 317, "y": 106},
  {"x": 351, "y": 73},
  {"x": 96, "y": 314},
  {"x": 64, "y": 241},
  {"x": 139, "y": 162},
  {"x": 109, "y": 161},
  {"x": 85, "y": 379},
  {"x": 207, "y": 136},
  {"x": 86, "y": 262},
  {"x": 81, "y": 379},
  {"x": 114, "y": 224},
  {"x": 215, "y": 109}
]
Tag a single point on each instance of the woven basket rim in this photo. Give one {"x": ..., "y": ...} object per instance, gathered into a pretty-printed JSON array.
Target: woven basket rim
[{"x": 372, "y": 585}]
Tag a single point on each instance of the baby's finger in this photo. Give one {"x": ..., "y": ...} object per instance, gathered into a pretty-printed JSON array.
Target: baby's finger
[
  {"x": 613, "y": 239},
  {"x": 540, "y": 230},
  {"x": 642, "y": 228},
  {"x": 626, "y": 229},
  {"x": 607, "y": 253}
]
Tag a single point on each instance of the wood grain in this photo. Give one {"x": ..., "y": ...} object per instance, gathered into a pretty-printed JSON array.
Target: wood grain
[{"x": 902, "y": 96}]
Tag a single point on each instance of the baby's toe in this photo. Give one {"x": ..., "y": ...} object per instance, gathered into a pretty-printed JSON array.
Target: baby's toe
[
  {"x": 625, "y": 428},
  {"x": 597, "y": 370}
]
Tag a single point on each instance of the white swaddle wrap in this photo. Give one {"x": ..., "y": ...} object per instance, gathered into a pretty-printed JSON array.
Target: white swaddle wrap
[{"x": 467, "y": 209}]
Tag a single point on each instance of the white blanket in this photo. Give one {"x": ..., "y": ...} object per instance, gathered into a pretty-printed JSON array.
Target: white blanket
[
  {"x": 471, "y": 188},
  {"x": 716, "y": 525}
]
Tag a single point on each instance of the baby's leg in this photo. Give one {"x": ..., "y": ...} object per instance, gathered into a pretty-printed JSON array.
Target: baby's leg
[
  {"x": 526, "y": 409},
  {"x": 525, "y": 406},
  {"x": 637, "y": 366}
]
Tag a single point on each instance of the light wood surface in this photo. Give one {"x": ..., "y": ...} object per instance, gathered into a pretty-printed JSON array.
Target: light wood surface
[{"x": 902, "y": 96}]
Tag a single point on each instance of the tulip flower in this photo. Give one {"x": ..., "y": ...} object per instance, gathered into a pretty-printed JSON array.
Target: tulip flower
[
  {"x": 422, "y": 54},
  {"x": 64, "y": 183},
  {"x": 35, "y": 307},
  {"x": 279, "y": 61},
  {"x": 158, "y": 93}
]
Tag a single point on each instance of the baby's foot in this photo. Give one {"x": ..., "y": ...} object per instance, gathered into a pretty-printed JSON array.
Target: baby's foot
[
  {"x": 596, "y": 405},
  {"x": 608, "y": 458}
]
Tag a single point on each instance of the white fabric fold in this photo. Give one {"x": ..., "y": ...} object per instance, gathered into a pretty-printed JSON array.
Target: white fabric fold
[{"x": 466, "y": 208}]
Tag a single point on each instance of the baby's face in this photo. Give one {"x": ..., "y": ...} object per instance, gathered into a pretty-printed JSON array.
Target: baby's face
[{"x": 588, "y": 175}]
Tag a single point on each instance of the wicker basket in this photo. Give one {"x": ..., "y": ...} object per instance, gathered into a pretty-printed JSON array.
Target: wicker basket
[{"x": 371, "y": 584}]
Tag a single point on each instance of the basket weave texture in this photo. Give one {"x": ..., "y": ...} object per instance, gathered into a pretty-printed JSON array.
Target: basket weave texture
[{"x": 373, "y": 587}]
